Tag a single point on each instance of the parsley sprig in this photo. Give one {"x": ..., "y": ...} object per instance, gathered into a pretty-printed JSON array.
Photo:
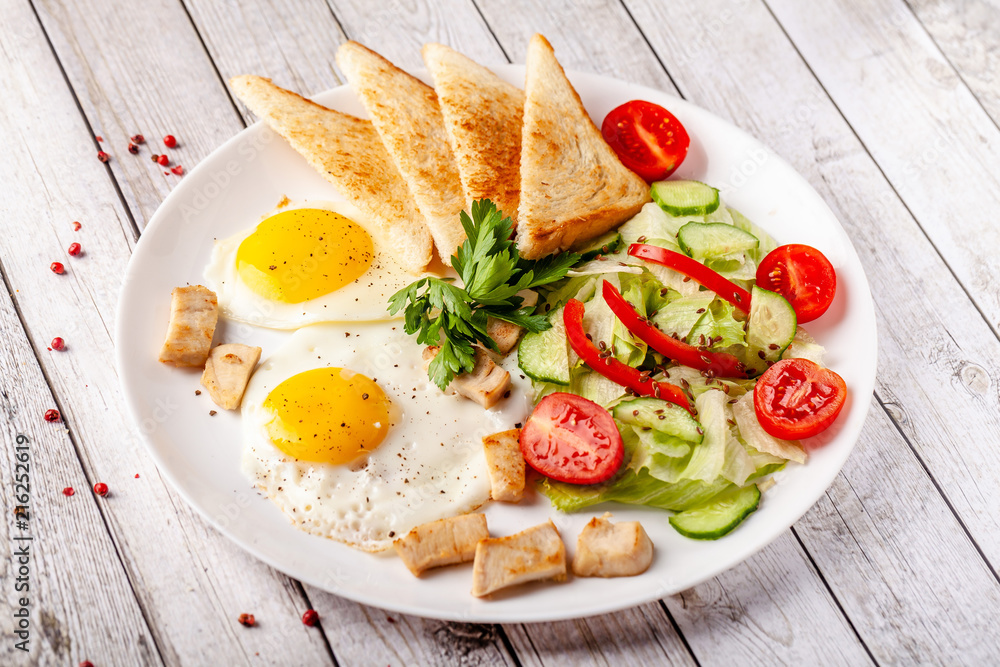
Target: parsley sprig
[{"x": 492, "y": 272}]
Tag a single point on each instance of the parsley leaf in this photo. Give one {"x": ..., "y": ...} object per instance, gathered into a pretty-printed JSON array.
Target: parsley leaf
[{"x": 492, "y": 273}]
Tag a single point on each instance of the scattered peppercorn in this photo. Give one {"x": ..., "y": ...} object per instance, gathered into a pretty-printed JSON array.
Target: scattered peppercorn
[
  {"x": 310, "y": 617},
  {"x": 57, "y": 267},
  {"x": 52, "y": 415},
  {"x": 197, "y": 392},
  {"x": 58, "y": 344},
  {"x": 133, "y": 149},
  {"x": 137, "y": 475},
  {"x": 163, "y": 160},
  {"x": 99, "y": 138},
  {"x": 74, "y": 249},
  {"x": 212, "y": 413},
  {"x": 101, "y": 489},
  {"x": 154, "y": 157},
  {"x": 138, "y": 139},
  {"x": 169, "y": 141},
  {"x": 179, "y": 170},
  {"x": 247, "y": 620},
  {"x": 86, "y": 663},
  {"x": 102, "y": 156},
  {"x": 68, "y": 491},
  {"x": 76, "y": 226}
]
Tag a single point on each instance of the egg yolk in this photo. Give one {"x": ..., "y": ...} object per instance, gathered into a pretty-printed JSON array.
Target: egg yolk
[
  {"x": 301, "y": 254},
  {"x": 327, "y": 415}
]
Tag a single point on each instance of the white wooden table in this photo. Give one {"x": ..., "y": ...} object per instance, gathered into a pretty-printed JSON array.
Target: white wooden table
[{"x": 889, "y": 108}]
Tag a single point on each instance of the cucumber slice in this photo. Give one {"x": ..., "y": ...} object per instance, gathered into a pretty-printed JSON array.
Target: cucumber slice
[
  {"x": 718, "y": 516},
  {"x": 602, "y": 245},
  {"x": 660, "y": 415},
  {"x": 685, "y": 197},
  {"x": 544, "y": 356},
  {"x": 709, "y": 240},
  {"x": 771, "y": 327}
]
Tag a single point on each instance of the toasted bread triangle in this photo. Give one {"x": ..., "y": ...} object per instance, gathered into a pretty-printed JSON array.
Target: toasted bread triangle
[
  {"x": 573, "y": 186},
  {"x": 482, "y": 114},
  {"x": 406, "y": 113},
  {"x": 347, "y": 151}
]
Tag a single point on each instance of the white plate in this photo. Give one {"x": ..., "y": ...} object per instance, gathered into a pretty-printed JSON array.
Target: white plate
[{"x": 200, "y": 454}]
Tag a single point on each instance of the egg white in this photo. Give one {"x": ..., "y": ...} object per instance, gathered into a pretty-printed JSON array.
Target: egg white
[
  {"x": 365, "y": 299},
  {"x": 431, "y": 464}
]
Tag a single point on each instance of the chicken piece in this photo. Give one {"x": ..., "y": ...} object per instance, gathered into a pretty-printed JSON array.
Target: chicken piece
[
  {"x": 505, "y": 334},
  {"x": 531, "y": 555},
  {"x": 194, "y": 312},
  {"x": 486, "y": 384},
  {"x": 227, "y": 373},
  {"x": 606, "y": 549},
  {"x": 442, "y": 542},
  {"x": 505, "y": 464}
]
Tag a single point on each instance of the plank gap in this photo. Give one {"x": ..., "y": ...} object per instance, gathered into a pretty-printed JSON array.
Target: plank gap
[
  {"x": 680, "y": 633},
  {"x": 297, "y": 585},
  {"x": 76, "y": 451},
  {"x": 947, "y": 500},
  {"x": 881, "y": 170},
  {"x": 90, "y": 128},
  {"x": 656, "y": 55},
  {"x": 215, "y": 68}
]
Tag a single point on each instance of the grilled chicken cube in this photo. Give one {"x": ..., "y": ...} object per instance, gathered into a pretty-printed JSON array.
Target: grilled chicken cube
[
  {"x": 442, "y": 542},
  {"x": 227, "y": 373},
  {"x": 531, "y": 555},
  {"x": 486, "y": 384},
  {"x": 505, "y": 334},
  {"x": 606, "y": 549},
  {"x": 194, "y": 312},
  {"x": 505, "y": 464}
]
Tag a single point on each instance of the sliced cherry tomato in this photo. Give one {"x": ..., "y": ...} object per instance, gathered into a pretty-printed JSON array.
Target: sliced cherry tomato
[
  {"x": 572, "y": 439},
  {"x": 648, "y": 139},
  {"x": 796, "y": 398},
  {"x": 801, "y": 274},
  {"x": 695, "y": 270},
  {"x": 719, "y": 364},
  {"x": 611, "y": 368}
]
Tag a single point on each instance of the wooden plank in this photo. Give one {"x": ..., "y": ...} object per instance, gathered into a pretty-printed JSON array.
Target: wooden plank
[
  {"x": 968, "y": 34},
  {"x": 637, "y": 636},
  {"x": 883, "y": 524},
  {"x": 918, "y": 120},
  {"x": 80, "y": 602},
  {"x": 191, "y": 582},
  {"x": 936, "y": 353}
]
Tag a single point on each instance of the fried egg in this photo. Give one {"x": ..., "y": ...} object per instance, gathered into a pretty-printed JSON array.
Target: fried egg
[
  {"x": 305, "y": 263},
  {"x": 347, "y": 436}
]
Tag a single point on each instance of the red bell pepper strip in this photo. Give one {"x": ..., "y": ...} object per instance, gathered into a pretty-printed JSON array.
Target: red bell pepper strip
[
  {"x": 718, "y": 363},
  {"x": 611, "y": 368},
  {"x": 692, "y": 268}
]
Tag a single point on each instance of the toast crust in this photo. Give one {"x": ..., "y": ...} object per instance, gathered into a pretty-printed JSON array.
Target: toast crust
[
  {"x": 573, "y": 186},
  {"x": 407, "y": 116},
  {"x": 483, "y": 118},
  {"x": 348, "y": 152}
]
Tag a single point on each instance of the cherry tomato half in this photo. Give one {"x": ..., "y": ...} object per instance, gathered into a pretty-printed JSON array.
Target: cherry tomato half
[
  {"x": 797, "y": 398},
  {"x": 572, "y": 439},
  {"x": 648, "y": 139},
  {"x": 801, "y": 274}
]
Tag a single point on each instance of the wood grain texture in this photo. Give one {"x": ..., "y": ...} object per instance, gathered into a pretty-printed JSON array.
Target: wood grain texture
[
  {"x": 190, "y": 581},
  {"x": 81, "y": 604},
  {"x": 968, "y": 34},
  {"x": 919, "y": 121},
  {"x": 949, "y": 367}
]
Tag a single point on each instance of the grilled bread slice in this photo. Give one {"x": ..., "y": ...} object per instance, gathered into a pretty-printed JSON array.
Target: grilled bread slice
[
  {"x": 573, "y": 186},
  {"x": 482, "y": 114},
  {"x": 406, "y": 113},
  {"x": 347, "y": 151}
]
